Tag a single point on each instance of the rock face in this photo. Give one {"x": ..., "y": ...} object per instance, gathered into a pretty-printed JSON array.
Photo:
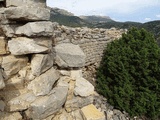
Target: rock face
[
  {"x": 45, "y": 106},
  {"x": 90, "y": 112},
  {"x": 13, "y": 64},
  {"x": 69, "y": 55},
  {"x": 10, "y": 3},
  {"x": 23, "y": 45},
  {"x": 83, "y": 88},
  {"x": 40, "y": 63},
  {"x": 27, "y": 13},
  {"x": 43, "y": 84},
  {"x": 36, "y": 29}
]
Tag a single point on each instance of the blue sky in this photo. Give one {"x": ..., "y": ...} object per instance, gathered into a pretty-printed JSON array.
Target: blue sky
[{"x": 119, "y": 10}]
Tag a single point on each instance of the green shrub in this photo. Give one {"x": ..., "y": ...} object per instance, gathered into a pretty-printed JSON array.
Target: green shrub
[{"x": 129, "y": 74}]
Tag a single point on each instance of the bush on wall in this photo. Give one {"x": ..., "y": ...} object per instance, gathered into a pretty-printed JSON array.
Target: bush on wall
[{"x": 129, "y": 74}]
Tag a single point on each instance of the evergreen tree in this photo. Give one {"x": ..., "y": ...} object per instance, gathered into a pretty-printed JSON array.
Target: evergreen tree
[{"x": 129, "y": 74}]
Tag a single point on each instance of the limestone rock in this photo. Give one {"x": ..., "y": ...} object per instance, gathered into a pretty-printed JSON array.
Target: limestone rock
[
  {"x": 76, "y": 74},
  {"x": 10, "y": 116},
  {"x": 63, "y": 116},
  {"x": 69, "y": 55},
  {"x": 78, "y": 102},
  {"x": 13, "y": 64},
  {"x": 10, "y": 3},
  {"x": 77, "y": 115},
  {"x": 65, "y": 72},
  {"x": 21, "y": 102},
  {"x": 2, "y": 105},
  {"x": 90, "y": 112},
  {"x": 7, "y": 30},
  {"x": 27, "y": 13},
  {"x": 15, "y": 83},
  {"x": 3, "y": 44},
  {"x": 83, "y": 88},
  {"x": 23, "y": 45},
  {"x": 47, "y": 105},
  {"x": 2, "y": 84},
  {"x": 43, "y": 28},
  {"x": 43, "y": 84},
  {"x": 40, "y": 63}
]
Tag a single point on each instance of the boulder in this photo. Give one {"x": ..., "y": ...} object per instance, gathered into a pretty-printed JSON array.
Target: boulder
[
  {"x": 78, "y": 102},
  {"x": 48, "y": 105},
  {"x": 12, "y": 64},
  {"x": 23, "y": 45},
  {"x": 40, "y": 63},
  {"x": 30, "y": 29},
  {"x": 43, "y": 84},
  {"x": 69, "y": 55},
  {"x": 21, "y": 102},
  {"x": 16, "y": 3},
  {"x": 90, "y": 112},
  {"x": 3, "y": 44},
  {"x": 27, "y": 13},
  {"x": 83, "y": 87}
]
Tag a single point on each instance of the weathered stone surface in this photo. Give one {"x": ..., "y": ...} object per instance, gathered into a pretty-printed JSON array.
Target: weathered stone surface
[
  {"x": 2, "y": 84},
  {"x": 78, "y": 102},
  {"x": 3, "y": 44},
  {"x": 23, "y": 45},
  {"x": 47, "y": 105},
  {"x": 7, "y": 30},
  {"x": 21, "y": 102},
  {"x": 10, "y": 116},
  {"x": 16, "y": 3},
  {"x": 65, "y": 72},
  {"x": 83, "y": 88},
  {"x": 76, "y": 74},
  {"x": 43, "y": 28},
  {"x": 63, "y": 116},
  {"x": 12, "y": 64},
  {"x": 27, "y": 13},
  {"x": 69, "y": 55},
  {"x": 90, "y": 112},
  {"x": 77, "y": 115},
  {"x": 2, "y": 105},
  {"x": 15, "y": 83},
  {"x": 43, "y": 84},
  {"x": 40, "y": 63}
]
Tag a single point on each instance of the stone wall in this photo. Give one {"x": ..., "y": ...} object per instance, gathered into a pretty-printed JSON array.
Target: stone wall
[
  {"x": 92, "y": 41},
  {"x": 41, "y": 65}
]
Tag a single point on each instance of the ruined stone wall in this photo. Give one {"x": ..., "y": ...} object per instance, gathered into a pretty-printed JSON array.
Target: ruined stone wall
[
  {"x": 92, "y": 40},
  {"x": 41, "y": 65}
]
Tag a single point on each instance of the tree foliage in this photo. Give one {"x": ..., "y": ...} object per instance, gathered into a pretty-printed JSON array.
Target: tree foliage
[{"x": 129, "y": 74}]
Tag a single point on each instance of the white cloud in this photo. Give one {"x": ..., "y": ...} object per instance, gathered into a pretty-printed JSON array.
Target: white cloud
[
  {"x": 80, "y": 7},
  {"x": 158, "y": 16},
  {"x": 147, "y": 19}
]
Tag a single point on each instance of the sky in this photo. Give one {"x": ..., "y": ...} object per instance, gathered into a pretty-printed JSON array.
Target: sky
[{"x": 118, "y": 10}]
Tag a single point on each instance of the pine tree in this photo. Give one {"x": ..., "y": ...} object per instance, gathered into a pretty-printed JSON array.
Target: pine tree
[{"x": 129, "y": 74}]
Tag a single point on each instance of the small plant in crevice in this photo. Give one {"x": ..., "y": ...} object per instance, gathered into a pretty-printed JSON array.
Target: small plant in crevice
[{"x": 129, "y": 74}]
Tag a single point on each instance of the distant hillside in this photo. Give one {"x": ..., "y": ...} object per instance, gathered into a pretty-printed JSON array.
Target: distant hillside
[
  {"x": 66, "y": 18},
  {"x": 96, "y": 19}
]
